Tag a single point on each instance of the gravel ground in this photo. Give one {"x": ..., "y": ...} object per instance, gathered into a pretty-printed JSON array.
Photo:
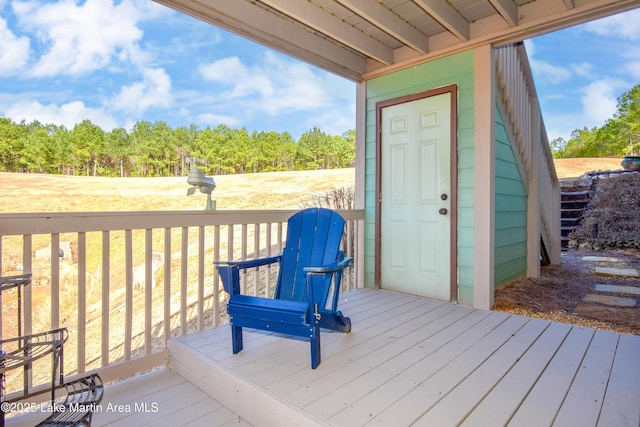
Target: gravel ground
[{"x": 558, "y": 294}]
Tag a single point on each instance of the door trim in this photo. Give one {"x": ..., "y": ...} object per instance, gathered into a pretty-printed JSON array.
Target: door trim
[{"x": 452, "y": 90}]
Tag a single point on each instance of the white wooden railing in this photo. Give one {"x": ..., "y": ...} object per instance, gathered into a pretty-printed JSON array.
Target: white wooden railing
[
  {"x": 517, "y": 89},
  {"x": 135, "y": 279}
]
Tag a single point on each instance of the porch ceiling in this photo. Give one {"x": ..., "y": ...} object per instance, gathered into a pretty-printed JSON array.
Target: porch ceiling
[{"x": 364, "y": 38}]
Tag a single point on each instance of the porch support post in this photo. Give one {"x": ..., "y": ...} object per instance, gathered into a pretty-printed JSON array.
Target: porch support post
[
  {"x": 484, "y": 177},
  {"x": 361, "y": 112},
  {"x": 533, "y": 194}
]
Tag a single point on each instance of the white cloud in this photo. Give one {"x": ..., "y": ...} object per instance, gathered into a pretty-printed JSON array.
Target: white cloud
[
  {"x": 623, "y": 25},
  {"x": 81, "y": 38},
  {"x": 545, "y": 70},
  {"x": 14, "y": 52},
  {"x": 272, "y": 86},
  {"x": 153, "y": 91},
  {"x": 633, "y": 68},
  {"x": 599, "y": 100},
  {"x": 582, "y": 69},
  {"x": 68, "y": 114},
  {"x": 243, "y": 81}
]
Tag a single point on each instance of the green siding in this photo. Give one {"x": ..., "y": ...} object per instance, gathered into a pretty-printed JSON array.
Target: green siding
[
  {"x": 458, "y": 69},
  {"x": 510, "y": 211}
]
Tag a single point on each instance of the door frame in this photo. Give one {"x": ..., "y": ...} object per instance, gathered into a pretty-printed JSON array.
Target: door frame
[{"x": 452, "y": 90}]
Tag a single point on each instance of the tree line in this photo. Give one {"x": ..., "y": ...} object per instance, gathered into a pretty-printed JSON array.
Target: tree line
[
  {"x": 618, "y": 137},
  {"x": 156, "y": 149}
]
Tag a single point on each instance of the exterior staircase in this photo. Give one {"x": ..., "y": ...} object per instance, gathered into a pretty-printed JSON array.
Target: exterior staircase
[{"x": 574, "y": 199}]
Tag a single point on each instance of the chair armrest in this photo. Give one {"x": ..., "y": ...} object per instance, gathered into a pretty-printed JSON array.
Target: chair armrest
[
  {"x": 330, "y": 268},
  {"x": 250, "y": 263}
]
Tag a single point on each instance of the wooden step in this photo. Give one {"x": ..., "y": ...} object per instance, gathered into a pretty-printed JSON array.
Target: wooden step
[{"x": 574, "y": 195}]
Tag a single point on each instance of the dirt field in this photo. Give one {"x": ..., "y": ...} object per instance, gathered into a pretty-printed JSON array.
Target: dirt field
[
  {"x": 55, "y": 193},
  {"x": 276, "y": 190},
  {"x": 573, "y": 168}
]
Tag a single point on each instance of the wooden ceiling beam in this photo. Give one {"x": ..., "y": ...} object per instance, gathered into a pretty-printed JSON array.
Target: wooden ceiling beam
[
  {"x": 447, "y": 16},
  {"x": 508, "y": 10},
  {"x": 396, "y": 27},
  {"x": 314, "y": 17}
]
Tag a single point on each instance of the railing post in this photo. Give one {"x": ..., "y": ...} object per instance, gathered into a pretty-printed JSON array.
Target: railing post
[
  {"x": 82, "y": 301},
  {"x": 128, "y": 311},
  {"x": 106, "y": 273},
  {"x": 55, "y": 281},
  {"x": 148, "y": 287},
  {"x": 167, "y": 284},
  {"x": 200, "y": 303},
  {"x": 183, "y": 279},
  {"x": 216, "y": 279}
]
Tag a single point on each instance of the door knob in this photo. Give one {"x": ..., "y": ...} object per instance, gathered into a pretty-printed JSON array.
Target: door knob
[{"x": 443, "y": 211}]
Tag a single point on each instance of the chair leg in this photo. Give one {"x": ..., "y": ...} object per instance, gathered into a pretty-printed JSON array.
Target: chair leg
[
  {"x": 335, "y": 321},
  {"x": 236, "y": 338},
  {"x": 315, "y": 347}
]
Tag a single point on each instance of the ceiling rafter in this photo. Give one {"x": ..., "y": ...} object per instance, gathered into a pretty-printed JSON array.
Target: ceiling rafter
[
  {"x": 508, "y": 10},
  {"x": 380, "y": 16},
  {"x": 447, "y": 16},
  {"x": 312, "y": 16}
]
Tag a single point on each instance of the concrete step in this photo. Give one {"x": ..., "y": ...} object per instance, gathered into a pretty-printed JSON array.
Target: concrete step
[
  {"x": 619, "y": 272},
  {"x": 617, "y": 289},
  {"x": 609, "y": 300},
  {"x": 600, "y": 259}
]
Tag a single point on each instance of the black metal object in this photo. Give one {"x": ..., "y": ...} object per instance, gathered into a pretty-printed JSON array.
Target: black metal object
[
  {"x": 82, "y": 399},
  {"x": 23, "y": 350}
]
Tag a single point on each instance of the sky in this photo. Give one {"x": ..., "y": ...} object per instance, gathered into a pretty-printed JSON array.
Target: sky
[{"x": 120, "y": 62}]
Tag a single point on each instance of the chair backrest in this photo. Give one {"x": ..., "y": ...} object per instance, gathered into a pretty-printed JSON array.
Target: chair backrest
[{"x": 313, "y": 239}]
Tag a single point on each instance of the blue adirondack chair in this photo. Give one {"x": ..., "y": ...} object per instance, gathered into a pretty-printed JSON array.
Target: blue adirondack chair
[{"x": 310, "y": 260}]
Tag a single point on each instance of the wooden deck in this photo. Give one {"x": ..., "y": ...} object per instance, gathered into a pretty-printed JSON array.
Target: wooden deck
[
  {"x": 407, "y": 361},
  {"x": 415, "y": 361},
  {"x": 158, "y": 398}
]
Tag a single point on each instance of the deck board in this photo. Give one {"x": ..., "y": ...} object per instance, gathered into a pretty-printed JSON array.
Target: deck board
[
  {"x": 432, "y": 388},
  {"x": 547, "y": 394},
  {"x": 621, "y": 405},
  {"x": 512, "y": 389},
  {"x": 403, "y": 352},
  {"x": 453, "y": 407},
  {"x": 406, "y": 369},
  {"x": 586, "y": 394},
  {"x": 161, "y": 398}
]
